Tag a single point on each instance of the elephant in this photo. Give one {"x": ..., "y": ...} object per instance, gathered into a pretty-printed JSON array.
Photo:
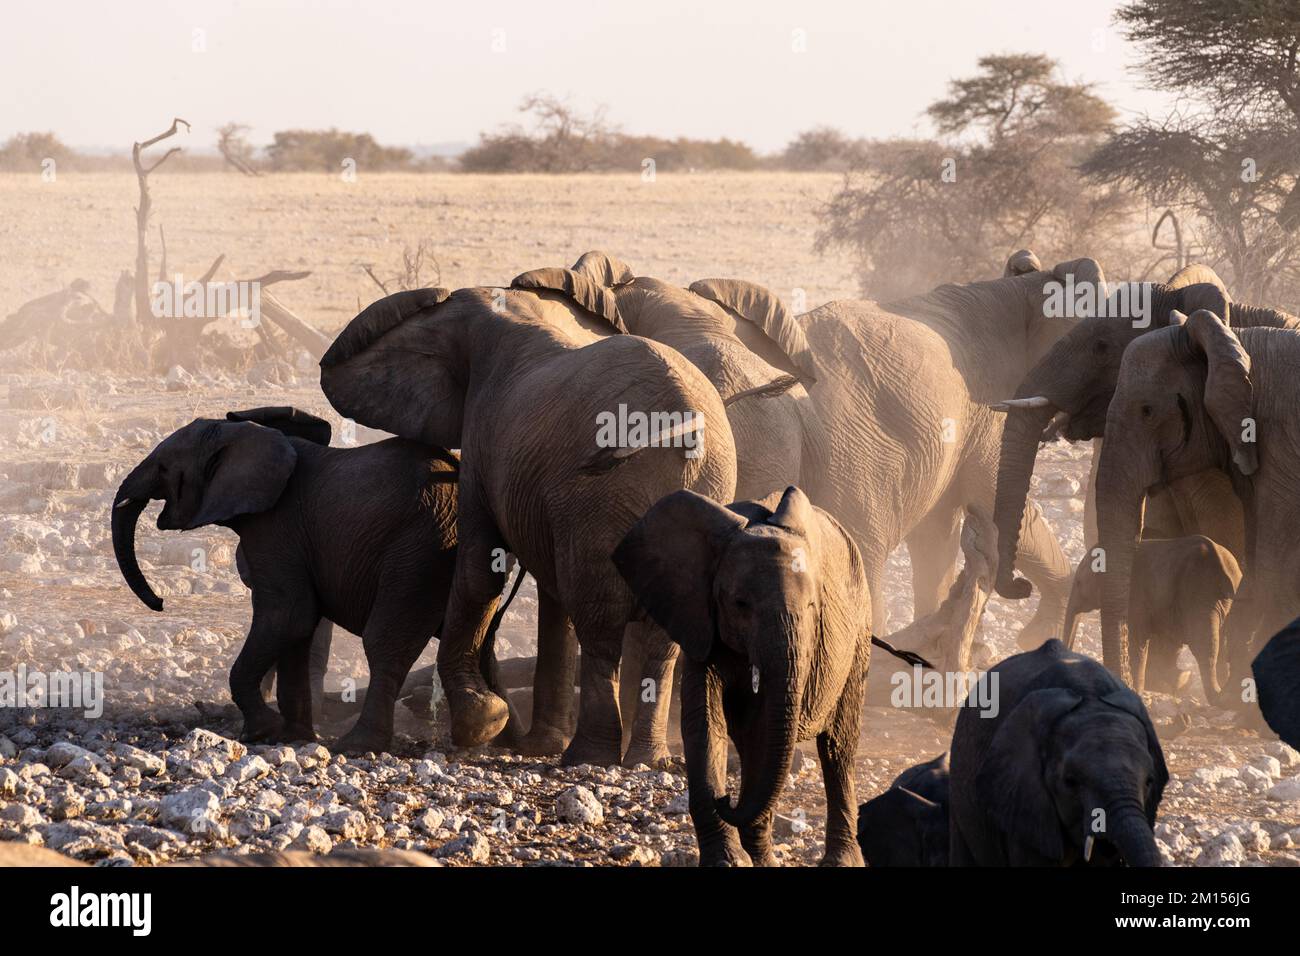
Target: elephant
[
  {"x": 1067, "y": 392},
  {"x": 566, "y": 439},
  {"x": 902, "y": 395},
  {"x": 1068, "y": 772},
  {"x": 1182, "y": 592},
  {"x": 744, "y": 341},
  {"x": 1194, "y": 396},
  {"x": 907, "y": 825},
  {"x": 769, "y": 602},
  {"x": 1277, "y": 678},
  {"x": 363, "y": 537}
]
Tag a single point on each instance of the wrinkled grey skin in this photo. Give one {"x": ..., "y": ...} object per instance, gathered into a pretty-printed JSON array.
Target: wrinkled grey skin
[
  {"x": 1077, "y": 377},
  {"x": 1277, "y": 676},
  {"x": 769, "y": 602},
  {"x": 907, "y": 825},
  {"x": 363, "y": 537},
  {"x": 1070, "y": 755},
  {"x": 902, "y": 394},
  {"x": 1183, "y": 402},
  {"x": 1181, "y": 593},
  {"x": 517, "y": 381}
]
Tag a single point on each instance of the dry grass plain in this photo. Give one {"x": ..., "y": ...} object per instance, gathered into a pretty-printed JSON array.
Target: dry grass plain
[{"x": 57, "y": 575}]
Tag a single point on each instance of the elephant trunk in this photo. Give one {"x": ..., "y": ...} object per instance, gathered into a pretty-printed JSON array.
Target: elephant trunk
[
  {"x": 1074, "y": 610},
  {"x": 132, "y": 496},
  {"x": 1021, "y": 434},
  {"x": 1119, "y": 522},
  {"x": 759, "y": 791},
  {"x": 1130, "y": 831}
]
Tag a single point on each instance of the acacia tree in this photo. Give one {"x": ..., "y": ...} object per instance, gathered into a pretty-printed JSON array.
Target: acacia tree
[
  {"x": 1003, "y": 175},
  {"x": 1229, "y": 158}
]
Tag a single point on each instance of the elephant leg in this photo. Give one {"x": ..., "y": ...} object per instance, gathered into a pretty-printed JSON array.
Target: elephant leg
[
  {"x": 293, "y": 691},
  {"x": 598, "y": 738},
  {"x": 932, "y": 548},
  {"x": 280, "y": 621},
  {"x": 1140, "y": 651},
  {"x": 705, "y": 740},
  {"x": 654, "y": 691},
  {"x": 1041, "y": 560},
  {"x": 318, "y": 663},
  {"x": 837, "y": 746},
  {"x": 478, "y": 714},
  {"x": 1162, "y": 673},
  {"x": 396, "y": 633},
  {"x": 1207, "y": 650},
  {"x": 553, "y": 680}
]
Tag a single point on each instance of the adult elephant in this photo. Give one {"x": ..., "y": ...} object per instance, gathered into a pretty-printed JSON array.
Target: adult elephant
[
  {"x": 1193, "y": 396},
  {"x": 566, "y": 440},
  {"x": 735, "y": 332},
  {"x": 1067, "y": 393},
  {"x": 902, "y": 394}
]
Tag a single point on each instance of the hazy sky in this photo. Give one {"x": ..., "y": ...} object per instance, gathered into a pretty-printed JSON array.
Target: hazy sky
[{"x": 105, "y": 73}]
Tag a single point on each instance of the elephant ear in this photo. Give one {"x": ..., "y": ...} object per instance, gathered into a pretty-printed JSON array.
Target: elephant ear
[
  {"x": 291, "y": 421},
  {"x": 1229, "y": 571},
  {"x": 1229, "y": 395},
  {"x": 1083, "y": 270},
  {"x": 668, "y": 560},
  {"x": 1277, "y": 679},
  {"x": 579, "y": 288},
  {"x": 603, "y": 269},
  {"x": 794, "y": 512},
  {"x": 1010, "y": 783},
  {"x": 1022, "y": 262},
  {"x": 400, "y": 364},
  {"x": 246, "y": 474},
  {"x": 1126, "y": 700},
  {"x": 759, "y": 307}
]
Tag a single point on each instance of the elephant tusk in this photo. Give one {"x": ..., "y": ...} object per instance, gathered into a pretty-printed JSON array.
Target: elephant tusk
[
  {"x": 1087, "y": 848},
  {"x": 1038, "y": 401}
]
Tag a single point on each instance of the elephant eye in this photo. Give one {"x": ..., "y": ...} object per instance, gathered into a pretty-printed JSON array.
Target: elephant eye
[
  {"x": 1071, "y": 782},
  {"x": 1146, "y": 411},
  {"x": 210, "y": 467},
  {"x": 1101, "y": 347}
]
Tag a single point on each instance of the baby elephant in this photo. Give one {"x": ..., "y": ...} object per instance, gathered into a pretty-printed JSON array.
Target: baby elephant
[
  {"x": 769, "y": 601},
  {"x": 907, "y": 825},
  {"x": 364, "y": 537},
  {"x": 1068, "y": 771},
  {"x": 1182, "y": 591}
]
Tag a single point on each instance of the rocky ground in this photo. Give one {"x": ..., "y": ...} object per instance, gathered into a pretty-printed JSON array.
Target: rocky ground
[{"x": 155, "y": 778}]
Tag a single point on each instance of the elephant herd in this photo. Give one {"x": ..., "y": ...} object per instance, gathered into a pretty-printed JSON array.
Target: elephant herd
[{"x": 697, "y": 470}]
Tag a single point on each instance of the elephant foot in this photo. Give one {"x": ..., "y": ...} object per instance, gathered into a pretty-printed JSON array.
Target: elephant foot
[
  {"x": 843, "y": 855},
  {"x": 298, "y": 733},
  {"x": 581, "y": 750},
  {"x": 725, "y": 854},
  {"x": 653, "y": 754},
  {"x": 359, "y": 740},
  {"x": 267, "y": 728},
  {"x": 542, "y": 741},
  {"x": 476, "y": 716}
]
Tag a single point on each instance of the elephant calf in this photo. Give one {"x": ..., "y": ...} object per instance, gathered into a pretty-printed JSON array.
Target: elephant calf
[
  {"x": 1181, "y": 593},
  {"x": 769, "y": 601},
  {"x": 364, "y": 537},
  {"x": 907, "y": 825},
  {"x": 1068, "y": 772}
]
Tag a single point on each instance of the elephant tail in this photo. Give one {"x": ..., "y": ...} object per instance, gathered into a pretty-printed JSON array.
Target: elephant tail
[
  {"x": 908, "y": 657},
  {"x": 778, "y": 386}
]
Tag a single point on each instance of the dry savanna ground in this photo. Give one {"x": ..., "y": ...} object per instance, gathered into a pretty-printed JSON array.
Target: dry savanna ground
[{"x": 142, "y": 785}]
